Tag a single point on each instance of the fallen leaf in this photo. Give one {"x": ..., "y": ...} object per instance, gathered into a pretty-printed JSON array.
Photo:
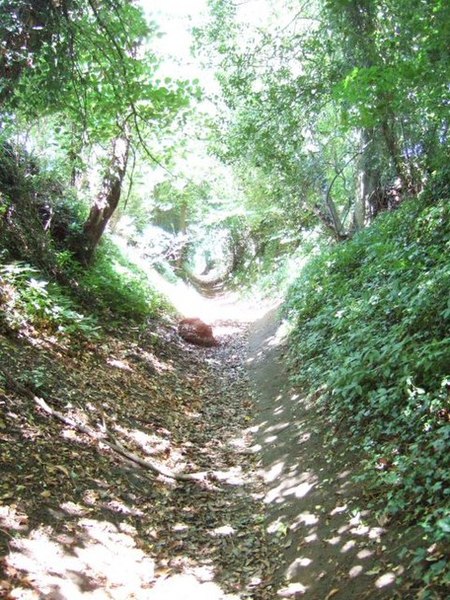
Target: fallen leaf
[{"x": 62, "y": 469}]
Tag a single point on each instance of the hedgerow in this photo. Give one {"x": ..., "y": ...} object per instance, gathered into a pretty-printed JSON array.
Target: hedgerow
[{"x": 370, "y": 338}]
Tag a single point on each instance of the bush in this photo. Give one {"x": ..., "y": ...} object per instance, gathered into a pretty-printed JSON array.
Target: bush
[
  {"x": 111, "y": 290},
  {"x": 118, "y": 288},
  {"x": 27, "y": 299},
  {"x": 370, "y": 331},
  {"x": 41, "y": 222}
]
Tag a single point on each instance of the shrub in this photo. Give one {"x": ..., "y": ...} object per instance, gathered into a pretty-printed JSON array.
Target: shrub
[
  {"x": 119, "y": 288},
  {"x": 370, "y": 331},
  {"x": 27, "y": 299}
]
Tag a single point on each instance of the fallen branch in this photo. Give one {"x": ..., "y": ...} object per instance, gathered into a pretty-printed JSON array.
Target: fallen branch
[
  {"x": 153, "y": 466},
  {"x": 117, "y": 447},
  {"x": 112, "y": 443}
]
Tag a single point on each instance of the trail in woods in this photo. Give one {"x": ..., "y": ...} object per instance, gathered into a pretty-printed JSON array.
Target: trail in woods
[
  {"x": 81, "y": 516},
  {"x": 269, "y": 511},
  {"x": 333, "y": 546}
]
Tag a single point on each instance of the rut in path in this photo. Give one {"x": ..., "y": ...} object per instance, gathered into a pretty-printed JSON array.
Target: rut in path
[
  {"x": 79, "y": 520},
  {"x": 331, "y": 547},
  {"x": 272, "y": 519}
]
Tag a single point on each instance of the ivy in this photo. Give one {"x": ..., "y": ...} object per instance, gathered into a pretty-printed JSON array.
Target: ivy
[{"x": 371, "y": 320}]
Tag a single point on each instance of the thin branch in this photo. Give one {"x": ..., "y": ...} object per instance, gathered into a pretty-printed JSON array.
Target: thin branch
[
  {"x": 112, "y": 443},
  {"x": 339, "y": 173},
  {"x": 130, "y": 176}
]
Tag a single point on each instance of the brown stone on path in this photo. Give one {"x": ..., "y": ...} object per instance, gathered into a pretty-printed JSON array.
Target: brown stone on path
[{"x": 195, "y": 331}]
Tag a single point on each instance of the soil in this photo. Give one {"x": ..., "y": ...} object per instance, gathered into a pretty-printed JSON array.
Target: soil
[
  {"x": 256, "y": 501},
  {"x": 333, "y": 544},
  {"x": 80, "y": 520}
]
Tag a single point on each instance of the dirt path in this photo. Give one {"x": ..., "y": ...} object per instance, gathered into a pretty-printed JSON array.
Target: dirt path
[
  {"x": 79, "y": 521},
  {"x": 273, "y": 517},
  {"x": 331, "y": 549}
]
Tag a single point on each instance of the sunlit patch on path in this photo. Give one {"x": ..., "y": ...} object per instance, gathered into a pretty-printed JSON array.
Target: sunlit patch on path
[{"x": 332, "y": 549}]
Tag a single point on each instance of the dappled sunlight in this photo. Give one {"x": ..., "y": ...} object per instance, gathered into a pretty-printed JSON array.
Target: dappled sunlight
[
  {"x": 305, "y": 518},
  {"x": 153, "y": 362},
  {"x": 309, "y": 497},
  {"x": 149, "y": 443},
  {"x": 187, "y": 587},
  {"x": 223, "y": 530},
  {"x": 355, "y": 571},
  {"x": 86, "y": 559},
  {"x": 188, "y": 514},
  {"x": 118, "y": 364},
  {"x": 232, "y": 476},
  {"x": 13, "y": 520},
  {"x": 386, "y": 580}
]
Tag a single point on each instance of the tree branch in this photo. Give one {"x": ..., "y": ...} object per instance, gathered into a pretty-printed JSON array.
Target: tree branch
[{"x": 111, "y": 442}]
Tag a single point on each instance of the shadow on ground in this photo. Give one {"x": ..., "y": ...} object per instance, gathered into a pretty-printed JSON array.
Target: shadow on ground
[
  {"x": 78, "y": 521},
  {"x": 332, "y": 549}
]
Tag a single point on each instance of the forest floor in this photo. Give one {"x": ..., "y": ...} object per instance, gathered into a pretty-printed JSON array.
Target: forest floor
[
  {"x": 267, "y": 511},
  {"x": 334, "y": 545}
]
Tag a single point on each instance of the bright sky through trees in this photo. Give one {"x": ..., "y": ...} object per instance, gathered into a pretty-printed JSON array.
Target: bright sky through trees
[{"x": 175, "y": 19}]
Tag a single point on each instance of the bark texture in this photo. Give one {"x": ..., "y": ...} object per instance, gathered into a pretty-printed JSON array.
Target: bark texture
[{"x": 107, "y": 200}]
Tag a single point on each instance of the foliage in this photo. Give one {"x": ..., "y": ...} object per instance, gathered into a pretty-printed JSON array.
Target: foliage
[
  {"x": 112, "y": 289},
  {"x": 24, "y": 28},
  {"x": 94, "y": 74},
  {"x": 42, "y": 284},
  {"x": 27, "y": 299},
  {"x": 333, "y": 103},
  {"x": 117, "y": 288},
  {"x": 371, "y": 320},
  {"x": 39, "y": 212},
  {"x": 100, "y": 86}
]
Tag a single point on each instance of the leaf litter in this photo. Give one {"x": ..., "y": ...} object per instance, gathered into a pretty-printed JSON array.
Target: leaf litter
[{"x": 79, "y": 518}]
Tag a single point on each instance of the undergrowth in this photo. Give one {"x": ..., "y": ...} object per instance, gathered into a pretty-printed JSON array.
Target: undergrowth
[
  {"x": 27, "y": 299},
  {"x": 110, "y": 291},
  {"x": 41, "y": 284},
  {"x": 371, "y": 338},
  {"x": 120, "y": 289}
]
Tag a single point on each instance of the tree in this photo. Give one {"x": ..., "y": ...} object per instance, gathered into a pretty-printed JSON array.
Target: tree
[
  {"x": 328, "y": 103},
  {"x": 98, "y": 81},
  {"x": 25, "y": 27},
  {"x": 107, "y": 200},
  {"x": 276, "y": 87},
  {"x": 385, "y": 88}
]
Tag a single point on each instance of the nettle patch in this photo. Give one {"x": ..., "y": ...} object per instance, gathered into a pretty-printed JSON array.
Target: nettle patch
[{"x": 370, "y": 338}]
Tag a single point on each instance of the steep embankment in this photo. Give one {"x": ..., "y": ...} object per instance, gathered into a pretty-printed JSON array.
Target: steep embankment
[
  {"x": 334, "y": 545},
  {"x": 370, "y": 349}
]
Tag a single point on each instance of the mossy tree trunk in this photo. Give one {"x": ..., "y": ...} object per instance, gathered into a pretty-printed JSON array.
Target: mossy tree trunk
[{"x": 106, "y": 202}]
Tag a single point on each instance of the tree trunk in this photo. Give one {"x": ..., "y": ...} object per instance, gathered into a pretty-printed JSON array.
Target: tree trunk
[
  {"x": 335, "y": 221},
  {"x": 107, "y": 200},
  {"x": 395, "y": 153},
  {"x": 368, "y": 179},
  {"x": 330, "y": 218}
]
